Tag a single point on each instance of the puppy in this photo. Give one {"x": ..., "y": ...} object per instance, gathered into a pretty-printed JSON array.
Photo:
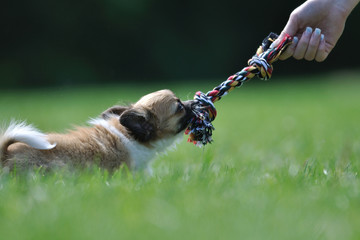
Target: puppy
[{"x": 130, "y": 135}]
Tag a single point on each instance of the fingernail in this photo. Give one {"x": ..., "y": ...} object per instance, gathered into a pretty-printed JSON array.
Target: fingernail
[
  {"x": 309, "y": 30},
  {"x": 295, "y": 40},
  {"x": 317, "y": 31},
  {"x": 322, "y": 37},
  {"x": 274, "y": 43}
]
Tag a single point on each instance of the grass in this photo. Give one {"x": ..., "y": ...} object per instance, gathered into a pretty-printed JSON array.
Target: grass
[{"x": 284, "y": 165}]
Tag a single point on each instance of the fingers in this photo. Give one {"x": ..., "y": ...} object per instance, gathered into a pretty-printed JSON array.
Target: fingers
[
  {"x": 311, "y": 46},
  {"x": 302, "y": 46},
  {"x": 321, "y": 53},
  {"x": 289, "y": 51}
]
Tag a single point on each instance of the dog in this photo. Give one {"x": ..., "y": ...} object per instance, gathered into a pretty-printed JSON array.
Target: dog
[{"x": 130, "y": 135}]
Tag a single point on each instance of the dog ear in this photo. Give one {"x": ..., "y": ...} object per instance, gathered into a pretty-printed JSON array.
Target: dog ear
[
  {"x": 115, "y": 110},
  {"x": 141, "y": 124}
]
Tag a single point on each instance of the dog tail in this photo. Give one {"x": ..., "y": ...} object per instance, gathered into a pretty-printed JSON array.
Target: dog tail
[{"x": 22, "y": 132}]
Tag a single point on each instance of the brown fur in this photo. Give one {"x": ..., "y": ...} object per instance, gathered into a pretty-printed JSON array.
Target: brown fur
[{"x": 154, "y": 117}]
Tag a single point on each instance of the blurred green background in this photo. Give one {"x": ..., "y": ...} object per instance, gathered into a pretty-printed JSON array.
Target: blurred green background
[{"x": 53, "y": 43}]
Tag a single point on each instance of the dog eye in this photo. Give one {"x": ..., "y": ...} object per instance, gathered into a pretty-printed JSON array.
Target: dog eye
[{"x": 180, "y": 107}]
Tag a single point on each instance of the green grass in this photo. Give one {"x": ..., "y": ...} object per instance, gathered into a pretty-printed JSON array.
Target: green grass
[{"x": 284, "y": 165}]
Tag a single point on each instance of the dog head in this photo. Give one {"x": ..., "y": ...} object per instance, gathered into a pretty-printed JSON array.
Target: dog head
[{"x": 157, "y": 115}]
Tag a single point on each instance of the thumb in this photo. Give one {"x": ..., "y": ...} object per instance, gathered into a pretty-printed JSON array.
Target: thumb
[
  {"x": 278, "y": 40},
  {"x": 290, "y": 29}
]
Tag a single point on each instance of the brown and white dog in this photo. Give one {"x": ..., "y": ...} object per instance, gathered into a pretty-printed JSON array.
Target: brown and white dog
[{"x": 130, "y": 135}]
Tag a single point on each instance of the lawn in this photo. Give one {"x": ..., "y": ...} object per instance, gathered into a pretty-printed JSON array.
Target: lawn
[{"x": 283, "y": 165}]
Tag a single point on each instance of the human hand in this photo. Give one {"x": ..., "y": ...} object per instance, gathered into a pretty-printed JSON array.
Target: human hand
[{"x": 328, "y": 17}]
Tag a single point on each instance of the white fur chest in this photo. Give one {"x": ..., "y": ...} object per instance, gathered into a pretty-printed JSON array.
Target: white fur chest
[{"x": 140, "y": 155}]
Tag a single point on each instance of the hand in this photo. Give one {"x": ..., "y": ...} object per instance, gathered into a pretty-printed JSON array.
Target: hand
[{"x": 328, "y": 17}]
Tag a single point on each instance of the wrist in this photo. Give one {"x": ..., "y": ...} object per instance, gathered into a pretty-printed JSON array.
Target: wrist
[{"x": 346, "y": 6}]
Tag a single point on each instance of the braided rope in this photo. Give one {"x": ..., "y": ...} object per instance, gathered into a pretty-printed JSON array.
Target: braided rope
[{"x": 200, "y": 128}]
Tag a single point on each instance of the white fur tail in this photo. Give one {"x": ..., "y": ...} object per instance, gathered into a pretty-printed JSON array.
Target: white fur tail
[{"x": 22, "y": 132}]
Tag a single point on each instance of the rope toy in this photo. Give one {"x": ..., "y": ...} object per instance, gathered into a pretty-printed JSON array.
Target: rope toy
[{"x": 200, "y": 128}]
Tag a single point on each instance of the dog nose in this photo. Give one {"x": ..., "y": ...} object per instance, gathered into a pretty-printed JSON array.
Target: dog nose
[{"x": 190, "y": 103}]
